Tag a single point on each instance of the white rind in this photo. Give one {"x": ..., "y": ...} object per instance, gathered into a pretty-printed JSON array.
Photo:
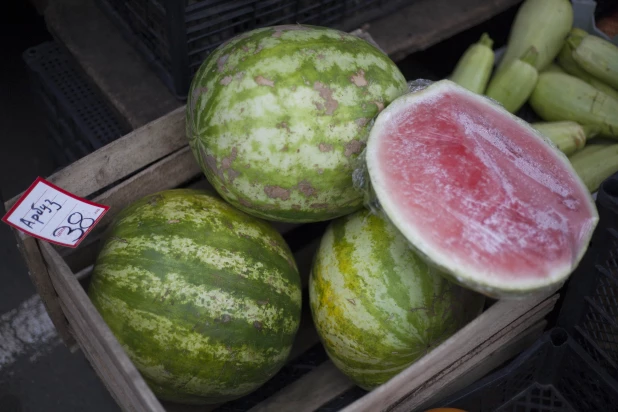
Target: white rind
[{"x": 482, "y": 281}]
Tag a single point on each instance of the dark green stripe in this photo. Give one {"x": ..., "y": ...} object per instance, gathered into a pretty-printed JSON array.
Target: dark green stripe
[
  {"x": 211, "y": 280},
  {"x": 355, "y": 282},
  {"x": 203, "y": 275},
  {"x": 198, "y": 272},
  {"x": 187, "y": 317},
  {"x": 218, "y": 233}
]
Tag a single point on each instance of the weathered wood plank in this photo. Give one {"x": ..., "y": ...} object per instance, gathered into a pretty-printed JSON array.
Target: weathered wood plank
[
  {"x": 93, "y": 334},
  {"x": 427, "y": 22},
  {"x": 100, "y": 361},
  {"x": 28, "y": 246},
  {"x": 166, "y": 174},
  {"x": 309, "y": 392},
  {"x": 454, "y": 372},
  {"x": 122, "y": 157},
  {"x": 473, "y": 335},
  {"x": 505, "y": 352}
]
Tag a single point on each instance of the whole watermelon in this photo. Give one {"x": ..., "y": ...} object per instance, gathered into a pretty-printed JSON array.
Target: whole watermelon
[
  {"x": 277, "y": 116},
  {"x": 376, "y": 305},
  {"x": 205, "y": 299}
]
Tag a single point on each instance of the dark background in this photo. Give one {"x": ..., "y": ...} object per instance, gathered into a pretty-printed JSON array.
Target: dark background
[{"x": 57, "y": 380}]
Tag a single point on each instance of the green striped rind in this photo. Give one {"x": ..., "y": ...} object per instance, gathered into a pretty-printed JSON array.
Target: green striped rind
[
  {"x": 277, "y": 116},
  {"x": 376, "y": 305},
  {"x": 204, "y": 298}
]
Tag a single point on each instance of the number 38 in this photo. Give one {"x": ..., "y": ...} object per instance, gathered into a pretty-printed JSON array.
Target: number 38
[{"x": 79, "y": 223}]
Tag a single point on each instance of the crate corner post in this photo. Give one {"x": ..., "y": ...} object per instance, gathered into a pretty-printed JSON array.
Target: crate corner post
[{"x": 36, "y": 266}]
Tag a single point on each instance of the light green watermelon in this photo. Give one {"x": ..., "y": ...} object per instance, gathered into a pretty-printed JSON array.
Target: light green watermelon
[
  {"x": 276, "y": 118},
  {"x": 376, "y": 305},
  {"x": 205, "y": 299}
]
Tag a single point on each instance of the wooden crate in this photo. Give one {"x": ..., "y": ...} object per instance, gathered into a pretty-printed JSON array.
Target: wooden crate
[{"x": 156, "y": 157}]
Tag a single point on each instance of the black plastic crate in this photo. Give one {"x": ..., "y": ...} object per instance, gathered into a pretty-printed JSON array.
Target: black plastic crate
[
  {"x": 590, "y": 309},
  {"x": 175, "y": 36},
  {"x": 553, "y": 375},
  {"x": 78, "y": 118}
]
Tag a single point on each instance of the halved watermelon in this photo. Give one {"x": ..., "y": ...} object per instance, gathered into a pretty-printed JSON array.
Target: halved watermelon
[{"x": 478, "y": 191}]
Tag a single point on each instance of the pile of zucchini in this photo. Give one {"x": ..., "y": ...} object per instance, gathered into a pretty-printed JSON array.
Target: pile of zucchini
[{"x": 567, "y": 76}]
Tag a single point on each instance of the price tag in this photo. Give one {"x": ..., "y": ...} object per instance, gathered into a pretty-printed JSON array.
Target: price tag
[{"x": 50, "y": 213}]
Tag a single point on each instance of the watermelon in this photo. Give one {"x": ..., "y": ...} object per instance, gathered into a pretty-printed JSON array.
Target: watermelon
[
  {"x": 377, "y": 306},
  {"x": 205, "y": 299},
  {"x": 478, "y": 192},
  {"x": 277, "y": 116}
]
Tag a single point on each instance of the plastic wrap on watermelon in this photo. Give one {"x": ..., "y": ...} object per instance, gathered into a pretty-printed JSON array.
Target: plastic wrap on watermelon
[
  {"x": 360, "y": 176},
  {"x": 477, "y": 191}
]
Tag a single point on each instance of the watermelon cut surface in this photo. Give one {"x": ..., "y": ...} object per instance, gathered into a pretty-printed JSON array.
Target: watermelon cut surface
[{"x": 478, "y": 191}]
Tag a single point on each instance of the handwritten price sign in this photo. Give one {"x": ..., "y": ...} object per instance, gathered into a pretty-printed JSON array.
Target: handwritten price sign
[{"x": 50, "y": 213}]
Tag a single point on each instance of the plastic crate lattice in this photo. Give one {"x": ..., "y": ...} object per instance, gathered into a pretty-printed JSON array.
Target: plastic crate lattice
[
  {"x": 78, "y": 119},
  {"x": 176, "y": 36}
]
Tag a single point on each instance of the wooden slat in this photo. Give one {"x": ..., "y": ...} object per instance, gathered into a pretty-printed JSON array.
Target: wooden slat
[
  {"x": 506, "y": 352},
  {"x": 39, "y": 275},
  {"x": 122, "y": 157},
  {"x": 309, "y": 392},
  {"x": 492, "y": 321},
  {"x": 460, "y": 367},
  {"x": 94, "y": 335},
  {"x": 166, "y": 174},
  {"x": 85, "y": 272},
  {"x": 100, "y": 361},
  {"x": 427, "y": 22}
]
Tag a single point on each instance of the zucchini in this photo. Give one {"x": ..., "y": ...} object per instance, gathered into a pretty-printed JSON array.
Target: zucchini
[
  {"x": 542, "y": 24},
  {"x": 596, "y": 56},
  {"x": 559, "y": 96},
  {"x": 568, "y": 63},
  {"x": 474, "y": 67},
  {"x": 595, "y": 163},
  {"x": 568, "y": 136},
  {"x": 513, "y": 85}
]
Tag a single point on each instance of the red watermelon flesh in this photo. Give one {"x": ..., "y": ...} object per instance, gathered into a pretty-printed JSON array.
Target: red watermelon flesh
[{"x": 478, "y": 191}]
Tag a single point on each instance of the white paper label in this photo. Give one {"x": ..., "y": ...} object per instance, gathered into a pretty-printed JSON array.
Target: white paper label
[{"x": 50, "y": 213}]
